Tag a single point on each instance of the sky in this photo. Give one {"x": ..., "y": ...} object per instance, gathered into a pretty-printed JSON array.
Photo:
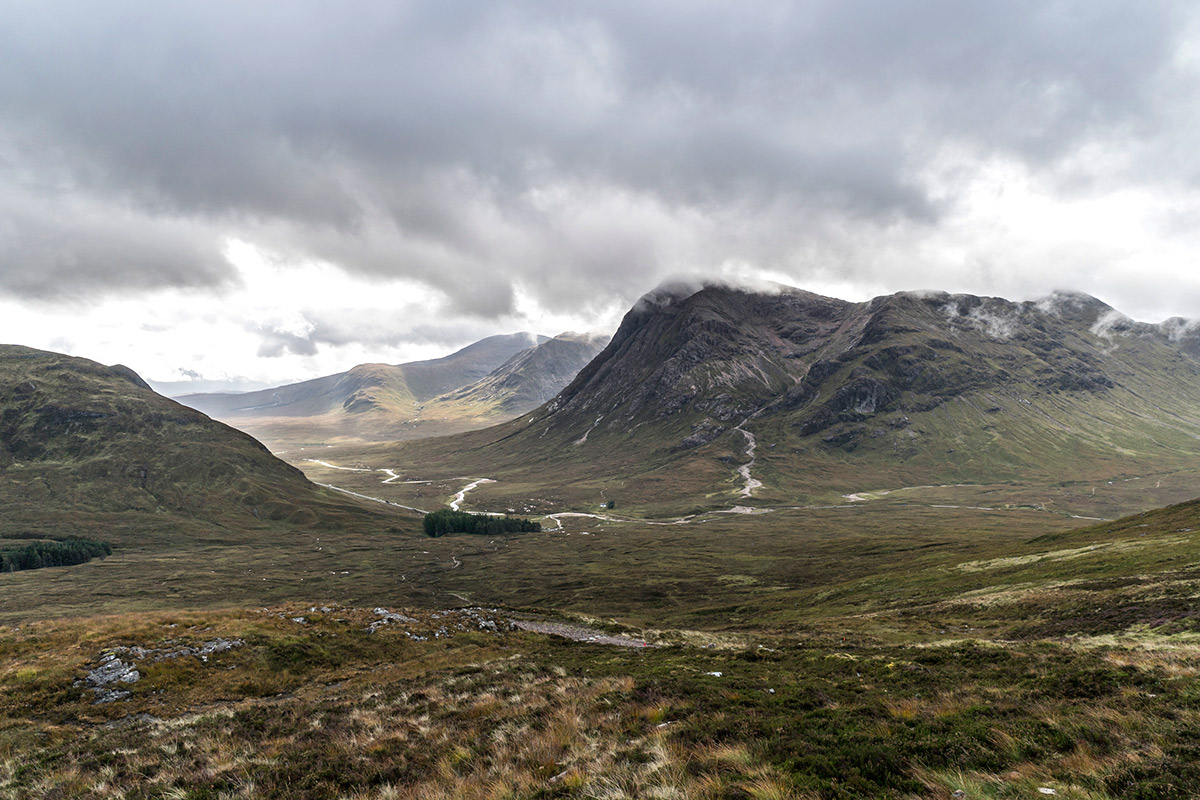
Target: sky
[{"x": 255, "y": 193}]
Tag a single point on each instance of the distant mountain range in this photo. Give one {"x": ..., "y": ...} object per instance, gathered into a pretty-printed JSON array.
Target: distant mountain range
[
  {"x": 905, "y": 389},
  {"x": 492, "y": 380}
]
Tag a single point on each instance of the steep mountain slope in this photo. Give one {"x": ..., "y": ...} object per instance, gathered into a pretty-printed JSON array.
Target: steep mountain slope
[
  {"x": 700, "y": 393},
  {"x": 521, "y": 384},
  {"x": 371, "y": 402},
  {"x": 84, "y": 447}
]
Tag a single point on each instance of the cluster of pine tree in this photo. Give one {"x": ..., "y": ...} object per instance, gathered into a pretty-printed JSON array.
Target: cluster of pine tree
[
  {"x": 53, "y": 554},
  {"x": 438, "y": 523}
]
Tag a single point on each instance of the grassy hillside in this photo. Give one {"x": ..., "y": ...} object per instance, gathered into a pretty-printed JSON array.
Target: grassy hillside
[
  {"x": 891, "y": 647},
  {"x": 954, "y": 624},
  {"x": 88, "y": 450}
]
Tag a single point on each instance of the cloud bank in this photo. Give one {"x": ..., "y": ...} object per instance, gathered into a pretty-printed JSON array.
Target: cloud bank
[{"x": 515, "y": 158}]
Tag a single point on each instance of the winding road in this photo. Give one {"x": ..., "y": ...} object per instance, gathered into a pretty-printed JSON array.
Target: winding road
[{"x": 462, "y": 494}]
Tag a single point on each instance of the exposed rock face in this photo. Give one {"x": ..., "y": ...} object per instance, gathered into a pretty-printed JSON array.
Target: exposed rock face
[
  {"x": 112, "y": 672},
  {"x": 723, "y": 355},
  {"x": 718, "y": 352},
  {"x": 105, "y": 678}
]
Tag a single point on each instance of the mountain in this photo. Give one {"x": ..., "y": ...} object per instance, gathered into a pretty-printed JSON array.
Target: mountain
[
  {"x": 524, "y": 382},
  {"x": 202, "y": 386},
  {"x": 371, "y": 402},
  {"x": 701, "y": 394},
  {"x": 85, "y": 448}
]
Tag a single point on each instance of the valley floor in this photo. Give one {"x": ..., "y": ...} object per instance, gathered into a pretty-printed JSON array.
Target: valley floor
[{"x": 900, "y": 642}]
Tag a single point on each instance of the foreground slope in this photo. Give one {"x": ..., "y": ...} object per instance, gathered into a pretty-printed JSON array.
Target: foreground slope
[
  {"x": 702, "y": 396},
  {"x": 962, "y": 669},
  {"x": 86, "y": 448},
  {"x": 370, "y": 402}
]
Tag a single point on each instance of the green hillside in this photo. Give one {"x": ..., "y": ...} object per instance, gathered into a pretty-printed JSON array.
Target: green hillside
[{"x": 89, "y": 450}]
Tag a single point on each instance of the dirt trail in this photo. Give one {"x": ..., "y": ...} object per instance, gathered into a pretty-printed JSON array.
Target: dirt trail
[
  {"x": 578, "y": 633},
  {"x": 335, "y": 466},
  {"x": 368, "y": 497},
  {"x": 558, "y": 517},
  {"x": 610, "y": 518},
  {"x": 460, "y": 497},
  {"x": 394, "y": 478}
]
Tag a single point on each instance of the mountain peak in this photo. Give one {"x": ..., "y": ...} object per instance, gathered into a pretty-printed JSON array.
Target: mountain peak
[
  {"x": 1071, "y": 305},
  {"x": 676, "y": 290}
]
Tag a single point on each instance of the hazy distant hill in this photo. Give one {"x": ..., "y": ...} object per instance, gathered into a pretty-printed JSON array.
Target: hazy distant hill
[
  {"x": 369, "y": 385},
  {"x": 371, "y": 402},
  {"x": 84, "y": 447},
  {"x": 905, "y": 389},
  {"x": 488, "y": 382}
]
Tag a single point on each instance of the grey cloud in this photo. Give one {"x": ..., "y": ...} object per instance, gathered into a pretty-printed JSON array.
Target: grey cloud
[
  {"x": 72, "y": 246},
  {"x": 276, "y": 343},
  {"x": 325, "y": 327},
  {"x": 429, "y": 140}
]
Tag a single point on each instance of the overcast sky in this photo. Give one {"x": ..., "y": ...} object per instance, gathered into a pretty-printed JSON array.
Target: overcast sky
[{"x": 275, "y": 190}]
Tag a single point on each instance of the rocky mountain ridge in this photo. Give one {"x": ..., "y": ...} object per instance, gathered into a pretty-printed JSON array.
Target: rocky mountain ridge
[
  {"x": 730, "y": 355},
  {"x": 533, "y": 376}
]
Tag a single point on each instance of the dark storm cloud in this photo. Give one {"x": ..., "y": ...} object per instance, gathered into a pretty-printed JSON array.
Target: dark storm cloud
[{"x": 573, "y": 151}]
